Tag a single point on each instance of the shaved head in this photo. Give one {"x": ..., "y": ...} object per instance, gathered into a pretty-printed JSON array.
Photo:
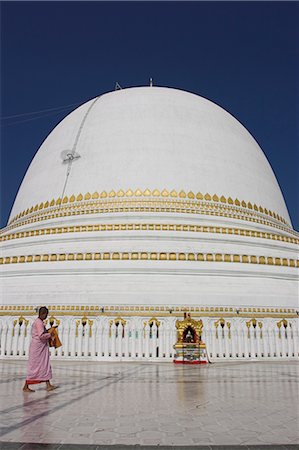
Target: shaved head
[{"x": 43, "y": 311}]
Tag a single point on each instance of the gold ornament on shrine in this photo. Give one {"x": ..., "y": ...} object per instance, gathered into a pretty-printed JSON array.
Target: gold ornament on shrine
[{"x": 183, "y": 326}]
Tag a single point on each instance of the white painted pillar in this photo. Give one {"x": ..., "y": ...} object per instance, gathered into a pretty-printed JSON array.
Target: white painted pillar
[
  {"x": 264, "y": 341},
  {"x": 218, "y": 342},
  {"x": 173, "y": 337},
  {"x": 167, "y": 340},
  {"x": 127, "y": 329},
  {"x": 158, "y": 335},
  {"x": 206, "y": 336},
  {"x": 284, "y": 341},
  {"x": 149, "y": 341},
  {"x": 162, "y": 340},
  {"x": 221, "y": 341},
  {"x": 154, "y": 341},
  {"x": 4, "y": 337},
  {"x": 214, "y": 339},
  {"x": 86, "y": 340},
  {"x": 226, "y": 343},
  {"x": 72, "y": 338},
  {"x": 290, "y": 341},
  {"x": 28, "y": 338},
  {"x": 60, "y": 334},
  {"x": 147, "y": 338},
  {"x": 132, "y": 339},
  {"x": 113, "y": 340},
  {"x": 119, "y": 340},
  {"x": 15, "y": 338},
  {"x": 140, "y": 340},
  {"x": 65, "y": 337},
  {"x": 249, "y": 340},
  {"x": 22, "y": 339},
  {"x": 80, "y": 338},
  {"x": 246, "y": 340},
  {"x": 240, "y": 345},
  {"x": 266, "y": 344},
  {"x": 253, "y": 332},
  {"x": 272, "y": 340},
  {"x": 233, "y": 334},
  {"x": 1, "y": 328},
  {"x": 99, "y": 338},
  {"x": 258, "y": 342},
  {"x": 295, "y": 338},
  {"x": 277, "y": 341},
  {"x": 106, "y": 339},
  {"x": 92, "y": 339},
  {"x": 150, "y": 337},
  {"x": 9, "y": 338}
]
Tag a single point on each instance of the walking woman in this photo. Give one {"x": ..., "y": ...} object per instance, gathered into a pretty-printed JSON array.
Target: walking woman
[{"x": 39, "y": 368}]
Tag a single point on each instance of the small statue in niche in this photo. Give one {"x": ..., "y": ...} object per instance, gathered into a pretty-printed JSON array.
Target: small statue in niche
[{"x": 189, "y": 336}]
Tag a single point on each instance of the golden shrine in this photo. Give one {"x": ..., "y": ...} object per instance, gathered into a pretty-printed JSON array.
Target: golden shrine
[{"x": 189, "y": 348}]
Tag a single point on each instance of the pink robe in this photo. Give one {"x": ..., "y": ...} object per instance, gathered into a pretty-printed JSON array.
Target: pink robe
[{"x": 39, "y": 368}]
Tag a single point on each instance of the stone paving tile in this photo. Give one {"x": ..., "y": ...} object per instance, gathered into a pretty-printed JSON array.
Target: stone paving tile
[
  {"x": 37, "y": 446},
  {"x": 10, "y": 445},
  {"x": 122, "y": 446},
  {"x": 157, "y": 404},
  {"x": 77, "y": 447},
  {"x": 293, "y": 437},
  {"x": 275, "y": 438}
]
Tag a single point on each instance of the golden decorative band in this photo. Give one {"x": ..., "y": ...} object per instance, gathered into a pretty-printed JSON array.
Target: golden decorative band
[
  {"x": 100, "y": 197},
  {"x": 153, "y": 256},
  {"x": 150, "y": 311},
  {"x": 148, "y": 227},
  {"x": 147, "y": 207}
]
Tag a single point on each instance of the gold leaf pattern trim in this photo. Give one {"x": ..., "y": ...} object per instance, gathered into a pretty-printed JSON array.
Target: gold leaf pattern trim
[
  {"x": 153, "y": 256},
  {"x": 149, "y": 311},
  {"x": 150, "y": 206},
  {"x": 165, "y": 193},
  {"x": 77, "y": 210},
  {"x": 149, "y": 227}
]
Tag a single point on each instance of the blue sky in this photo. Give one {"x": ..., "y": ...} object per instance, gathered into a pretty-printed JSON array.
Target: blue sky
[{"x": 241, "y": 55}]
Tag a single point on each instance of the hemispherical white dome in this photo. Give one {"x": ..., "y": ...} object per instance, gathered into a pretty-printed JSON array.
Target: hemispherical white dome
[{"x": 151, "y": 138}]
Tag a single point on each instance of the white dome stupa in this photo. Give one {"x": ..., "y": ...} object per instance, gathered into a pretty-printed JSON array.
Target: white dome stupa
[{"x": 145, "y": 203}]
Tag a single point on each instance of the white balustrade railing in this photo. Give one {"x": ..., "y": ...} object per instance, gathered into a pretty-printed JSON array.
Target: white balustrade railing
[{"x": 138, "y": 339}]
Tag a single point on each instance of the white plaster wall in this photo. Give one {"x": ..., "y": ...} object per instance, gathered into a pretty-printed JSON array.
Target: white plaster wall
[
  {"x": 176, "y": 284},
  {"x": 149, "y": 242}
]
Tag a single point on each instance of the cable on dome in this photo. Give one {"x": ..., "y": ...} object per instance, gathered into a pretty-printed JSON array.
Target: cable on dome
[{"x": 69, "y": 156}]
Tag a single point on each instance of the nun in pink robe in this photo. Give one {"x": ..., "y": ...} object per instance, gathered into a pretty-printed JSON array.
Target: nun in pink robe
[{"x": 39, "y": 368}]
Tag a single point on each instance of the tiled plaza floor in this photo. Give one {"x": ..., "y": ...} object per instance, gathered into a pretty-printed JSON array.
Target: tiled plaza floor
[{"x": 153, "y": 404}]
